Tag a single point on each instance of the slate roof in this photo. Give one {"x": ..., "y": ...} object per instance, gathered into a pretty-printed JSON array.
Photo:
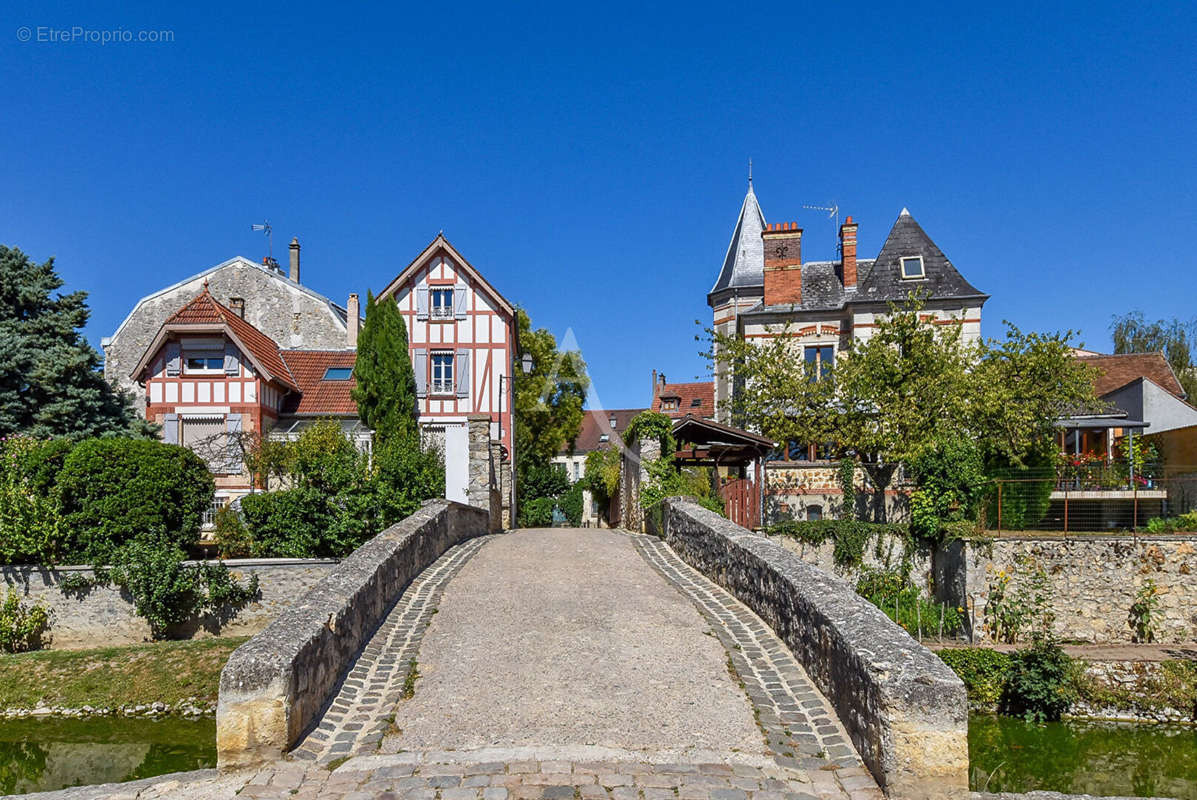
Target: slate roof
[
  {"x": 206, "y": 310},
  {"x": 318, "y": 396},
  {"x": 744, "y": 263},
  {"x": 597, "y": 422},
  {"x": 696, "y": 398},
  {"x": 884, "y": 282},
  {"x": 1119, "y": 370}
]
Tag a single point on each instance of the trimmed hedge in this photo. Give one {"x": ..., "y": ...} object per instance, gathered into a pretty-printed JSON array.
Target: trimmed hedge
[
  {"x": 983, "y": 671},
  {"x": 114, "y": 490}
]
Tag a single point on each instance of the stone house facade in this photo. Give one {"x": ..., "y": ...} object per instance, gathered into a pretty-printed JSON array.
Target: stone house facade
[
  {"x": 274, "y": 302},
  {"x": 766, "y": 290}
]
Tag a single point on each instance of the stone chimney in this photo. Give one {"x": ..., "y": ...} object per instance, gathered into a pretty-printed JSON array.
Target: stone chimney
[
  {"x": 783, "y": 263},
  {"x": 848, "y": 253},
  {"x": 295, "y": 259},
  {"x": 352, "y": 321}
]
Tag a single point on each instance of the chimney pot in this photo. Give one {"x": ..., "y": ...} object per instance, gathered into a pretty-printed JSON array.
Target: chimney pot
[
  {"x": 352, "y": 321},
  {"x": 295, "y": 259}
]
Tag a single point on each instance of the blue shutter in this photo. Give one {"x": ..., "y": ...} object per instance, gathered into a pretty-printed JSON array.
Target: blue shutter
[
  {"x": 421, "y": 302},
  {"x": 233, "y": 446},
  {"x": 174, "y": 360},
  {"x": 463, "y": 373},
  {"x": 170, "y": 429},
  {"x": 459, "y": 300},
  {"x": 420, "y": 366},
  {"x": 232, "y": 365}
]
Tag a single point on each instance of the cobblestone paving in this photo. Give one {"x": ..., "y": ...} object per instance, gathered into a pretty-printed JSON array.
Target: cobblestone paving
[
  {"x": 561, "y": 773},
  {"x": 801, "y": 729},
  {"x": 358, "y": 718}
]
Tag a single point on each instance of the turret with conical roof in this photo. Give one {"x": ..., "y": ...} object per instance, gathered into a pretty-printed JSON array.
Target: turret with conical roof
[{"x": 744, "y": 262}]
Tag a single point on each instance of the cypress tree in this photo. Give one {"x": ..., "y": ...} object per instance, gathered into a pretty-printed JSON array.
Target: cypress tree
[
  {"x": 386, "y": 384},
  {"x": 50, "y": 379}
]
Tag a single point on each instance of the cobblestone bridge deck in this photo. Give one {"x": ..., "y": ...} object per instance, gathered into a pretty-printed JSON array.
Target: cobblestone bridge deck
[{"x": 564, "y": 665}]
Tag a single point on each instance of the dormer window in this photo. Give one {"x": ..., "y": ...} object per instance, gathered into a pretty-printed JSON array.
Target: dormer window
[
  {"x": 696, "y": 402},
  {"x": 912, "y": 268}
]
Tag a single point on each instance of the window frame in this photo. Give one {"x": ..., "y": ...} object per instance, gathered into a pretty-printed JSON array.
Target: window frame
[
  {"x": 444, "y": 311},
  {"x": 821, "y": 369},
  {"x": 348, "y": 371},
  {"x": 208, "y": 355},
  {"x": 922, "y": 268},
  {"x": 446, "y": 384}
]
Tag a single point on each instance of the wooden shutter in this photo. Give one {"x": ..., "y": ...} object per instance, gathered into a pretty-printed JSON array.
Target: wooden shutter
[
  {"x": 233, "y": 446},
  {"x": 460, "y": 295},
  {"x": 174, "y": 360},
  {"x": 421, "y": 302},
  {"x": 420, "y": 366},
  {"x": 462, "y": 366},
  {"x": 170, "y": 429},
  {"x": 232, "y": 365}
]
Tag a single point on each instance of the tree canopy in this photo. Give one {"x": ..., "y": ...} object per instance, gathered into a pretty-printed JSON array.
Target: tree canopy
[
  {"x": 549, "y": 398},
  {"x": 386, "y": 383},
  {"x": 1175, "y": 339},
  {"x": 50, "y": 379}
]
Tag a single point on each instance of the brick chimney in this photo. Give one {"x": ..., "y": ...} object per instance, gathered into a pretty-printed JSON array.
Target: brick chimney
[
  {"x": 295, "y": 259},
  {"x": 783, "y": 263},
  {"x": 353, "y": 319},
  {"x": 848, "y": 252}
]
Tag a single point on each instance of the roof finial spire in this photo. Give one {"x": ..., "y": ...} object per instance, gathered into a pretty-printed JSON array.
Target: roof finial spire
[{"x": 750, "y": 172}]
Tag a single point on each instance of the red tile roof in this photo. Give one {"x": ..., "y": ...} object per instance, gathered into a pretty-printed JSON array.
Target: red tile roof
[
  {"x": 693, "y": 398},
  {"x": 206, "y": 310},
  {"x": 1118, "y": 371},
  {"x": 318, "y": 395},
  {"x": 597, "y": 422}
]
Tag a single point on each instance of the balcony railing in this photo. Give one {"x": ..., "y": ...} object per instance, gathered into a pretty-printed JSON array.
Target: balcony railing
[{"x": 1084, "y": 474}]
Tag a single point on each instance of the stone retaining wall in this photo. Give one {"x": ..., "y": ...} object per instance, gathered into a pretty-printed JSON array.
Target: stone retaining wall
[
  {"x": 1092, "y": 580},
  {"x": 906, "y": 712},
  {"x": 276, "y": 685},
  {"x": 105, "y": 616}
]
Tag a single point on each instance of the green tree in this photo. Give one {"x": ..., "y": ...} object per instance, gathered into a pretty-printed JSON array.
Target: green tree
[
  {"x": 385, "y": 392},
  {"x": 50, "y": 379},
  {"x": 898, "y": 390},
  {"x": 549, "y": 398},
  {"x": 1177, "y": 340}
]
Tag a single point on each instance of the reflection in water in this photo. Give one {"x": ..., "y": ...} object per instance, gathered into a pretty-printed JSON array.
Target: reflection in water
[
  {"x": 45, "y": 754},
  {"x": 1074, "y": 757}
]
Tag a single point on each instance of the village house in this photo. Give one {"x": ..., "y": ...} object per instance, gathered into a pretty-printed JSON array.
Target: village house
[
  {"x": 273, "y": 301},
  {"x": 765, "y": 290},
  {"x": 676, "y": 400},
  {"x": 602, "y": 429},
  {"x": 462, "y": 338},
  {"x": 214, "y": 382}
]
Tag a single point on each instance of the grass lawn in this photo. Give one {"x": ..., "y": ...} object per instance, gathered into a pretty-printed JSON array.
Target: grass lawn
[{"x": 164, "y": 672}]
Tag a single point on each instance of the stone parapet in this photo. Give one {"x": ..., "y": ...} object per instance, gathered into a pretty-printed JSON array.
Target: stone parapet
[
  {"x": 275, "y": 686},
  {"x": 906, "y": 712}
]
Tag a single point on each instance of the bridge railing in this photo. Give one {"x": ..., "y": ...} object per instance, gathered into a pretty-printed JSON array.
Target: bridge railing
[
  {"x": 906, "y": 712},
  {"x": 275, "y": 686}
]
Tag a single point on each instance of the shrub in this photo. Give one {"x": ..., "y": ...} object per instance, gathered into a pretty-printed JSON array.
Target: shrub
[
  {"x": 850, "y": 536},
  {"x": 231, "y": 537},
  {"x": 114, "y": 490},
  {"x": 405, "y": 475},
  {"x": 1143, "y": 614},
  {"x": 951, "y": 483},
  {"x": 983, "y": 672},
  {"x": 893, "y": 592},
  {"x": 31, "y": 525},
  {"x": 537, "y": 513},
  {"x": 542, "y": 480},
  {"x": 22, "y": 626},
  {"x": 1040, "y": 685},
  {"x": 571, "y": 504},
  {"x": 291, "y": 523},
  {"x": 1184, "y": 523}
]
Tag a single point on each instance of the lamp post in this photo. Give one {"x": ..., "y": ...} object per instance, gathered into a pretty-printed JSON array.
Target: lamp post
[{"x": 526, "y": 364}]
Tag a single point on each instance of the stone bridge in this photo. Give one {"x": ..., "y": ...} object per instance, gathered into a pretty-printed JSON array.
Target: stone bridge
[{"x": 441, "y": 662}]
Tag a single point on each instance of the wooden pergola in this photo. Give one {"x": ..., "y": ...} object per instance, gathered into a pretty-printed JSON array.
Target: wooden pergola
[{"x": 706, "y": 443}]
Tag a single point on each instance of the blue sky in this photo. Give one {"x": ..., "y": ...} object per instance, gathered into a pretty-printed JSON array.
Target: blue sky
[{"x": 591, "y": 159}]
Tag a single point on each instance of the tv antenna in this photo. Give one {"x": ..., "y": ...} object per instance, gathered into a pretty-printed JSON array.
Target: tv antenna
[
  {"x": 833, "y": 212},
  {"x": 265, "y": 228}
]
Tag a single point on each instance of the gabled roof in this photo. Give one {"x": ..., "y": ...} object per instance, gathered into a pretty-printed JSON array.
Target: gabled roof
[
  {"x": 441, "y": 243},
  {"x": 1118, "y": 370},
  {"x": 884, "y": 283},
  {"x": 204, "y": 314},
  {"x": 744, "y": 262},
  {"x": 595, "y": 423},
  {"x": 319, "y": 397},
  {"x": 696, "y": 398},
  {"x": 339, "y": 314},
  {"x": 696, "y": 429}
]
